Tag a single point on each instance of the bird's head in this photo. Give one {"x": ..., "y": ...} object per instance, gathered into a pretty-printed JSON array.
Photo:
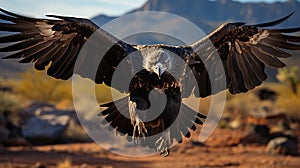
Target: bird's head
[{"x": 158, "y": 62}]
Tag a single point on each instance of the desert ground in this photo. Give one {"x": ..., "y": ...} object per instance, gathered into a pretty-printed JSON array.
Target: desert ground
[{"x": 222, "y": 149}]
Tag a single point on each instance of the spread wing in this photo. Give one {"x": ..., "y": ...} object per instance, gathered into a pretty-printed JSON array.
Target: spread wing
[
  {"x": 57, "y": 43},
  {"x": 244, "y": 51}
]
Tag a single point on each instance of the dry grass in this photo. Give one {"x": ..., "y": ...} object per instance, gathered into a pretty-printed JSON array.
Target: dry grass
[
  {"x": 287, "y": 101},
  {"x": 66, "y": 163}
]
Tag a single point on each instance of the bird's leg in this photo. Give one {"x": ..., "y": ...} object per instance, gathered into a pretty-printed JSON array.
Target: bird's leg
[
  {"x": 163, "y": 143},
  {"x": 139, "y": 129}
]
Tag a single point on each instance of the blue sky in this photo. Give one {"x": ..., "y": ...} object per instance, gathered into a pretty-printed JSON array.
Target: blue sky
[{"x": 79, "y": 8}]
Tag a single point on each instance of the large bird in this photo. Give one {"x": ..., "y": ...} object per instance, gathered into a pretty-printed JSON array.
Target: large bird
[{"x": 243, "y": 50}]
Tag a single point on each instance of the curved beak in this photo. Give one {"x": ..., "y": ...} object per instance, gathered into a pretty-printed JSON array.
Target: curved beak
[{"x": 158, "y": 71}]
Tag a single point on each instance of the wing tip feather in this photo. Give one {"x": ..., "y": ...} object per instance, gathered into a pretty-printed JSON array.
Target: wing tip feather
[{"x": 275, "y": 22}]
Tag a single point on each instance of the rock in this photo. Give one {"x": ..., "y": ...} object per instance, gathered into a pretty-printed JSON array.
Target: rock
[
  {"x": 286, "y": 133},
  {"x": 2, "y": 121},
  {"x": 16, "y": 141},
  {"x": 235, "y": 124},
  {"x": 4, "y": 132},
  {"x": 256, "y": 134},
  {"x": 15, "y": 137},
  {"x": 197, "y": 143},
  {"x": 34, "y": 107},
  {"x": 282, "y": 145},
  {"x": 266, "y": 94},
  {"x": 262, "y": 130},
  {"x": 10, "y": 135},
  {"x": 46, "y": 126}
]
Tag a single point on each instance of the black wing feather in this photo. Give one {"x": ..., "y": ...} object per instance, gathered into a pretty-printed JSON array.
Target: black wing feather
[
  {"x": 245, "y": 50},
  {"x": 57, "y": 42}
]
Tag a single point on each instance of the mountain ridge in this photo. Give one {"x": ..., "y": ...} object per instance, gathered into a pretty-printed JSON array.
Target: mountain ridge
[{"x": 209, "y": 14}]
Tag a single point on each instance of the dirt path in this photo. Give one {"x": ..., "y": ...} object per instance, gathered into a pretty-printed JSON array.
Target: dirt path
[{"x": 216, "y": 153}]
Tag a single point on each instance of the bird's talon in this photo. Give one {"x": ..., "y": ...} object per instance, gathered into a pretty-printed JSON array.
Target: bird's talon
[
  {"x": 162, "y": 147},
  {"x": 165, "y": 152},
  {"x": 139, "y": 131}
]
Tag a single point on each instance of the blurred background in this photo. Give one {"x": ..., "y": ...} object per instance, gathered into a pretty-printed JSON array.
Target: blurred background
[{"x": 261, "y": 128}]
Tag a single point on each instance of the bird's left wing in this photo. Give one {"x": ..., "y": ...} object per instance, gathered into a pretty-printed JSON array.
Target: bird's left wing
[
  {"x": 243, "y": 51},
  {"x": 57, "y": 42}
]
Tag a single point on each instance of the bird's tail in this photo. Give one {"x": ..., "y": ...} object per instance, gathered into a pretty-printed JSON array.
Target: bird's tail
[{"x": 117, "y": 116}]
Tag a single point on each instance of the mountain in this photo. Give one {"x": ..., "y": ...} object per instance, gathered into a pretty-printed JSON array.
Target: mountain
[{"x": 209, "y": 14}]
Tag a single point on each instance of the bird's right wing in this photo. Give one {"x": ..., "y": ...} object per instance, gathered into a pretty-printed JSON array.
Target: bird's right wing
[
  {"x": 57, "y": 42},
  {"x": 243, "y": 51}
]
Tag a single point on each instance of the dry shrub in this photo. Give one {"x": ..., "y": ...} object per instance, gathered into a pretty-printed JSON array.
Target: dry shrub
[
  {"x": 35, "y": 85},
  {"x": 10, "y": 105},
  {"x": 8, "y": 102}
]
